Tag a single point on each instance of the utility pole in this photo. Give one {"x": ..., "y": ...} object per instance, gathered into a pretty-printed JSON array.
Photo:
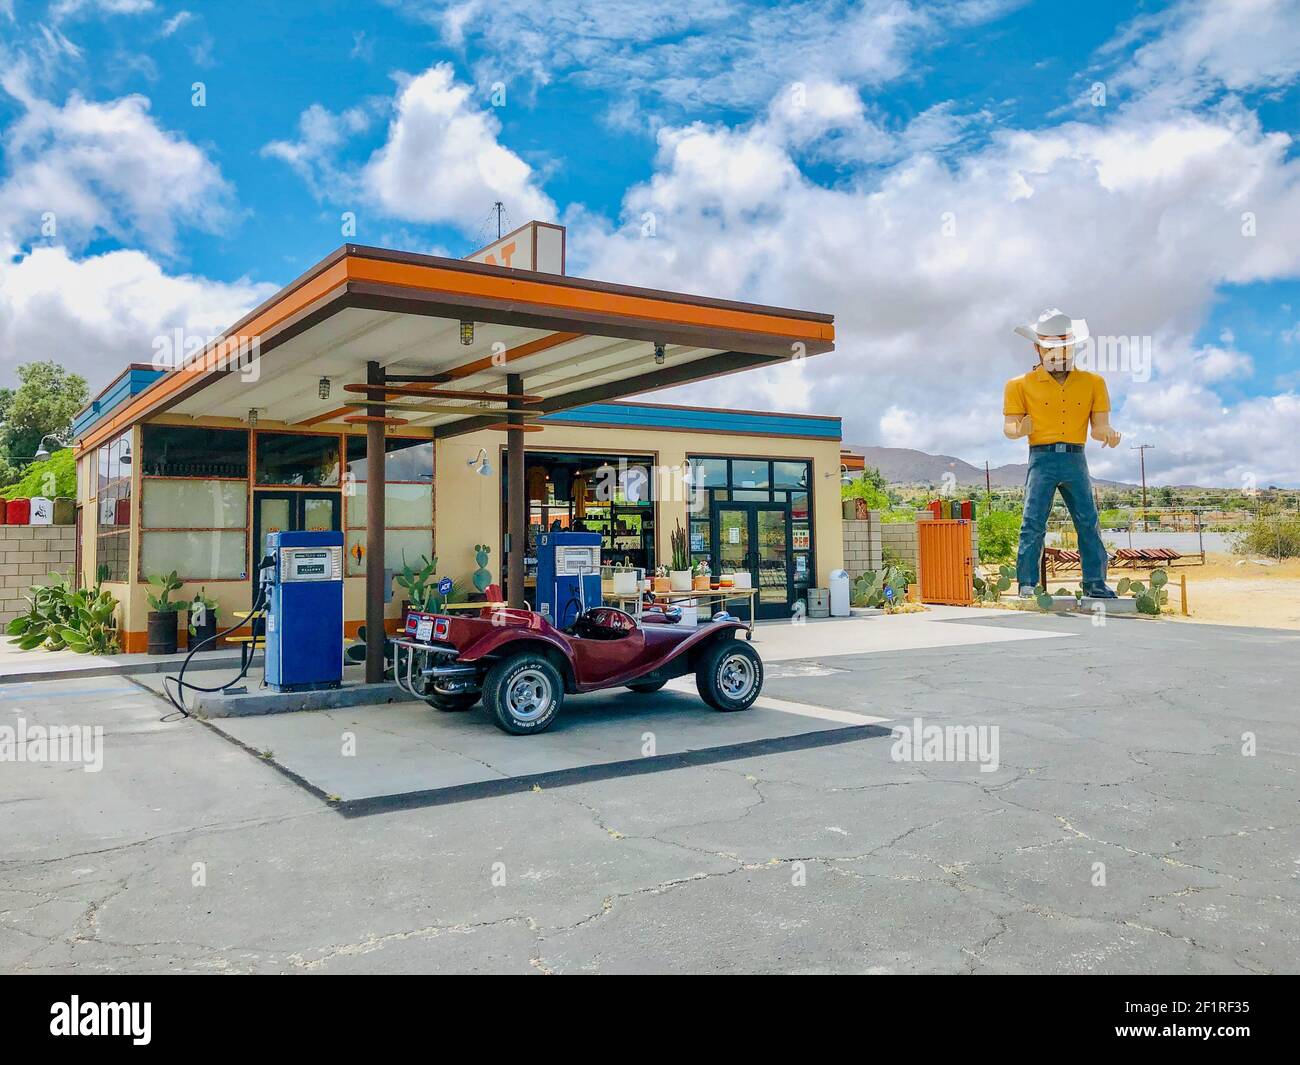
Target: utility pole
[
  {"x": 988, "y": 485},
  {"x": 1141, "y": 449},
  {"x": 500, "y": 208}
]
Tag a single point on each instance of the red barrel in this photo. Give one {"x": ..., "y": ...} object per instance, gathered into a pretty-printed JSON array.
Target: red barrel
[{"x": 18, "y": 512}]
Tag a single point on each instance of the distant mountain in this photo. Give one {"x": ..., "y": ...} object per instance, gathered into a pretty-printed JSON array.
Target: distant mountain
[{"x": 903, "y": 465}]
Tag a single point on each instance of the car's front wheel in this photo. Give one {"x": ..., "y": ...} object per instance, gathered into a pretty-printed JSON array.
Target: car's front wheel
[
  {"x": 729, "y": 675},
  {"x": 523, "y": 694}
]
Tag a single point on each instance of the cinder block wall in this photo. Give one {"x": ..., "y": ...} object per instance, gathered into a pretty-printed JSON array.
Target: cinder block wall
[
  {"x": 28, "y": 554},
  {"x": 862, "y": 545}
]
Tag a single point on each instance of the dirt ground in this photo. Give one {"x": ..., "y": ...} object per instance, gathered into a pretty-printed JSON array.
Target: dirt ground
[{"x": 1224, "y": 593}]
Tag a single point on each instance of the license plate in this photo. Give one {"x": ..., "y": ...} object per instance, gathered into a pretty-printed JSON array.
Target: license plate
[{"x": 424, "y": 630}]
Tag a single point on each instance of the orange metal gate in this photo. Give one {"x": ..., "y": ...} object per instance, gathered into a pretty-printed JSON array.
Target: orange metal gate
[{"x": 946, "y": 561}]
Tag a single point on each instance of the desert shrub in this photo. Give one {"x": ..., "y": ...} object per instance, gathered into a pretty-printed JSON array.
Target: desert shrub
[
  {"x": 999, "y": 536},
  {"x": 1271, "y": 532}
]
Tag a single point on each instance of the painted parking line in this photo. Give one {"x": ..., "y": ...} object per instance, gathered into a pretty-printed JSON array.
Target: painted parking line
[{"x": 785, "y": 706}]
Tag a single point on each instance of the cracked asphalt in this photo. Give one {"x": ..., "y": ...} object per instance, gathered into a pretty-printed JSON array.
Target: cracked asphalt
[{"x": 1125, "y": 830}]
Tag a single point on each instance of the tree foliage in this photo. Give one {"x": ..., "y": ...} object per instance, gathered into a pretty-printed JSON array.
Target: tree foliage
[{"x": 44, "y": 403}]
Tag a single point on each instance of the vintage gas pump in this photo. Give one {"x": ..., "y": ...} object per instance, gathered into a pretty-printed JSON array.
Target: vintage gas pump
[
  {"x": 304, "y": 611},
  {"x": 568, "y": 575}
]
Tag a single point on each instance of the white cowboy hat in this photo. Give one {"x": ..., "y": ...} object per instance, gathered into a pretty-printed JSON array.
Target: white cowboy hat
[{"x": 1051, "y": 325}]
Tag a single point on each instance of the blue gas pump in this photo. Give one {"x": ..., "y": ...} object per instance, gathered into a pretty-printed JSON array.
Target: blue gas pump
[
  {"x": 568, "y": 575},
  {"x": 304, "y": 611}
]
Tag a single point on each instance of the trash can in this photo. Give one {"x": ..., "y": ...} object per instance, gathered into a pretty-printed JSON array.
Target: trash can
[
  {"x": 819, "y": 603},
  {"x": 840, "y": 585}
]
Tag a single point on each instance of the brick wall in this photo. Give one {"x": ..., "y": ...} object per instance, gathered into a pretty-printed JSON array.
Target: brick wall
[{"x": 28, "y": 554}]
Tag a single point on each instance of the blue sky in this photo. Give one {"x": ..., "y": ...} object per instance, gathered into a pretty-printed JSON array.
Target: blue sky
[{"x": 932, "y": 173}]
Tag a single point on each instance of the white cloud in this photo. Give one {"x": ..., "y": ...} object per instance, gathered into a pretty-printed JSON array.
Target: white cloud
[
  {"x": 1199, "y": 47},
  {"x": 1132, "y": 224},
  {"x": 96, "y": 315},
  {"x": 64, "y": 9},
  {"x": 103, "y": 169},
  {"x": 443, "y": 161},
  {"x": 702, "y": 55}
]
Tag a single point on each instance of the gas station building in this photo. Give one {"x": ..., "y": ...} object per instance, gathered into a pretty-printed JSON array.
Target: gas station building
[{"x": 490, "y": 399}]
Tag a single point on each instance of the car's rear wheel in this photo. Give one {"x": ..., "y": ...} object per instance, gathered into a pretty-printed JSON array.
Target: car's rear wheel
[
  {"x": 458, "y": 701},
  {"x": 645, "y": 687},
  {"x": 729, "y": 675},
  {"x": 523, "y": 694}
]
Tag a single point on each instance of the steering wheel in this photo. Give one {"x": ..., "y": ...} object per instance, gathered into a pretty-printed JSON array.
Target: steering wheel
[{"x": 605, "y": 621}]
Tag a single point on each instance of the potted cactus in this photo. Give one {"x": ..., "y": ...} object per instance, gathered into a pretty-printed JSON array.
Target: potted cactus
[
  {"x": 482, "y": 576},
  {"x": 679, "y": 576},
  {"x": 162, "y": 618}
]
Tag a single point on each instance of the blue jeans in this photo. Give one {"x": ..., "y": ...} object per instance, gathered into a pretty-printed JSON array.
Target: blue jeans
[{"x": 1068, "y": 471}]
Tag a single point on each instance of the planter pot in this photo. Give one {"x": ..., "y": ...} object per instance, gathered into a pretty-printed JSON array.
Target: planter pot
[
  {"x": 742, "y": 580},
  {"x": 701, "y": 584},
  {"x": 663, "y": 584},
  {"x": 203, "y": 635},
  {"x": 680, "y": 580},
  {"x": 162, "y": 632},
  {"x": 849, "y": 508}
]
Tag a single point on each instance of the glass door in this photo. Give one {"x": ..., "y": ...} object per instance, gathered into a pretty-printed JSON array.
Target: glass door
[
  {"x": 292, "y": 512},
  {"x": 754, "y": 538}
]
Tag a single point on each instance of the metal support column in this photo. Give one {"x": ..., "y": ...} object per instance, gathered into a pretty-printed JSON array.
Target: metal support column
[
  {"x": 375, "y": 479},
  {"x": 516, "y": 504}
]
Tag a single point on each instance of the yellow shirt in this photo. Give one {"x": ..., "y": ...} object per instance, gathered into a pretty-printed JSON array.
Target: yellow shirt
[{"x": 1059, "y": 412}]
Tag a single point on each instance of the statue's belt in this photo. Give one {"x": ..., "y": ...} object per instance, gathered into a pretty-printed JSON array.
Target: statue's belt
[{"x": 1056, "y": 447}]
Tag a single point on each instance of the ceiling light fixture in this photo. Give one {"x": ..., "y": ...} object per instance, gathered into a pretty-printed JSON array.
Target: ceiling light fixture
[
  {"x": 252, "y": 417},
  {"x": 467, "y": 333},
  {"x": 659, "y": 355},
  {"x": 323, "y": 388}
]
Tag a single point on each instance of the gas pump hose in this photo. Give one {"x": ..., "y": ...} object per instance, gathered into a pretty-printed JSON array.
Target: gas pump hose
[{"x": 178, "y": 700}]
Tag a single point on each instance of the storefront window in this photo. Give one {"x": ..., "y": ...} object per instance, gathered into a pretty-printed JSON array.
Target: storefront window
[
  {"x": 297, "y": 459},
  {"x": 408, "y": 503},
  {"x": 185, "y": 451},
  {"x": 749, "y": 473},
  {"x": 404, "y": 459},
  {"x": 199, "y": 528},
  {"x": 113, "y": 509},
  {"x": 789, "y": 475}
]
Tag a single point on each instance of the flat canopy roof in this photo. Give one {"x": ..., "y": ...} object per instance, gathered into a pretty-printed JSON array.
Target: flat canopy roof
[{"x": 574, "y": 342}]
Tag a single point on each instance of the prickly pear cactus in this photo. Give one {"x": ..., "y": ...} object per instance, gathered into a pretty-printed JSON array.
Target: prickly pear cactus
[{"x": 482, "y": 576}]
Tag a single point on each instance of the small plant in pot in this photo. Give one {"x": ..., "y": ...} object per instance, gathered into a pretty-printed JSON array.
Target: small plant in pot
[
  {"x": 661, "y": 582},
  {"x": 679, "y": 576},
  {"x": 202, "y": 625},
  {"x": 418, "y": 583},
  {"x": 703, "y": 577},
  {"x": 163, "y": 613}
]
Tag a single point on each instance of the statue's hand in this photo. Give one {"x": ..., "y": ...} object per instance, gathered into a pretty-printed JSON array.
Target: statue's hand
[
  {"x": 1026, "y": 425},
  {"x": 1112, "y": 438}
]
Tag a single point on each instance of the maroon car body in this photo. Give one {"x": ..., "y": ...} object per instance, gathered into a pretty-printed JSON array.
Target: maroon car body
[
  {"x": 521, "y": 667},
  {"x": 591, "y": 659}
]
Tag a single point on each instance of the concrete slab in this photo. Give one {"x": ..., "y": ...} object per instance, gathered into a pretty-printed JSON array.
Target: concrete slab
[
  {"x": 1067, "y": 604},
  {"x": 21, "y": 667},
  {"x": 368, "y": 758}
]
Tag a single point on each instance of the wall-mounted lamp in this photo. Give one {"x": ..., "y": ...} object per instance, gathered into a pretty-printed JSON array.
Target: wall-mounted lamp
[
  {"x": 659, "y": 355},
  {"x": 467, "y": 333},
  {"x": 480, "y": 463},
  {"x": 42, "y": 452},
  {"x": 323, "y": 388},
  {"x": 844, "y": 475}
]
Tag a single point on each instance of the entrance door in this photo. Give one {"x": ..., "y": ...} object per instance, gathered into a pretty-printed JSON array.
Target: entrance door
[
  {"x": 754, "y": 538},
  {"x": 292, "y": 512}
]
